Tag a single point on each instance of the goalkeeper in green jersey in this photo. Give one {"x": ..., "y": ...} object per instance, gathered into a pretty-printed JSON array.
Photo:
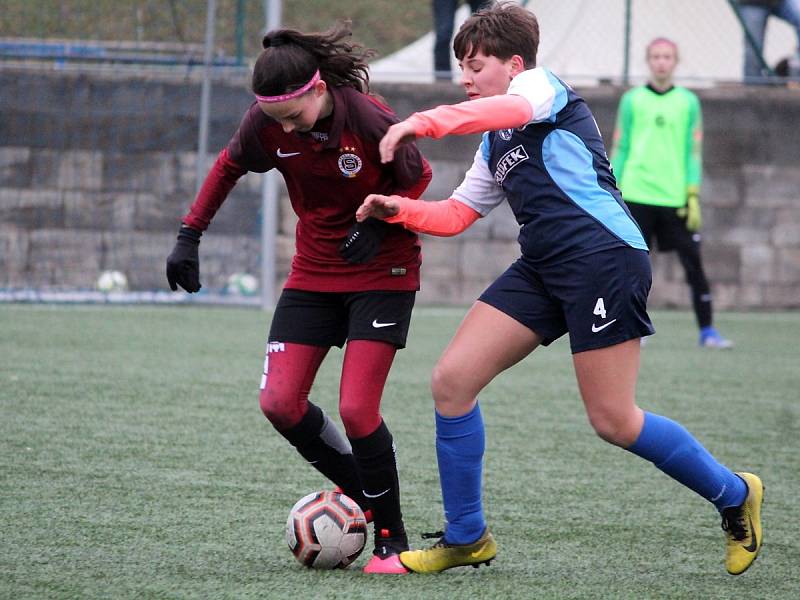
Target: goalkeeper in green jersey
[{"x": 657, "y": 162}]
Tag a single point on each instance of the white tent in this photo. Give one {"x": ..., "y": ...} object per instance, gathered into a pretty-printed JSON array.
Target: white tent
[{"x": 584, "y": 41}]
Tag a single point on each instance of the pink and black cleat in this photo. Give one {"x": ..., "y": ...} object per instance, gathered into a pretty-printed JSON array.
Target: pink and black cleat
[{"x": 386, "y": 556}]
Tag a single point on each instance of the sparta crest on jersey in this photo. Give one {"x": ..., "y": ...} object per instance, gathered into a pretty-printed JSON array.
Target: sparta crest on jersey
[{"x": 349, "y": 162}]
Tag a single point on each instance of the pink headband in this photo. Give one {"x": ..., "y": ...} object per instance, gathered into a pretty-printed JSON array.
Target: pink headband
[{"x": 288, "y": 96}]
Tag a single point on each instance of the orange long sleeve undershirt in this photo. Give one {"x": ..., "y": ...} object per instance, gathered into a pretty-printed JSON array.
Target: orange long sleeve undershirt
[
  {"x": 450, "y": 217},
  {"x": 441, "y": 217},
  {"x": 505, "y": 111}
]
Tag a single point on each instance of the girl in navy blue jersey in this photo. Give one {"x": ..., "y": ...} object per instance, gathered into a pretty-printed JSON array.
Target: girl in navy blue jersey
[
  {"x": 314, "y": 121},
  {"x": 584, "y": 270}
]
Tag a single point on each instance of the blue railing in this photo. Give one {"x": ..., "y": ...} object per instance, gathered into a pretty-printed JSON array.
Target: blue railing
[{"x": 111, "y": 52}]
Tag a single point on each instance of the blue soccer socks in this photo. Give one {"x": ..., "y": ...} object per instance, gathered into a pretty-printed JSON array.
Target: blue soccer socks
[
  {"x": 460, "y": 442},
  {"x": 671, "y": 448}
]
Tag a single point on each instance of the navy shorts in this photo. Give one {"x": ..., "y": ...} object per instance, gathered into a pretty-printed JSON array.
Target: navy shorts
[
  {"x": 332, "y": 318},
  {"x": 600, "y": 299}
]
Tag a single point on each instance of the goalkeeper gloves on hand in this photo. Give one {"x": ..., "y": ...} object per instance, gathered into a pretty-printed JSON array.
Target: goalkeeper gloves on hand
[
  {"x": 183, "y": 263},
  {"x": 363, "y": 241},
  {"x": 692, "y": 213}
]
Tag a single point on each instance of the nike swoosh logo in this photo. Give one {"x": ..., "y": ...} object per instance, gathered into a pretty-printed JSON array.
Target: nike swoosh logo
[
  {"x": 595, "y": 328},
  {"x": 377, "y": 325},
  {"x": 722, "y": 491},
  {"x": 386, "y": 491},
  {"x": 753, "y": 546},
  {"x": 477, "y": 552},
  {"x": 286, "y": 154}
]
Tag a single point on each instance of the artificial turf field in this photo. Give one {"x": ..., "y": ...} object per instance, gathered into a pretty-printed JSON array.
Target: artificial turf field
[{"x": 135, "y": 463}]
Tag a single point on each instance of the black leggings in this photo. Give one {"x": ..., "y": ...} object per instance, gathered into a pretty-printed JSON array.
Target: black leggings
[{"x": 661, "y": 224}]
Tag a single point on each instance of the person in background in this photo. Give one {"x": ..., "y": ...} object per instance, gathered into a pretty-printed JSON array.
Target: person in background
[
  {"x": 444, "y": 12},
  {"x": 754, "y": 15},
  {"x": 657, "y": 160},
  {"x": 314, "y": 120},
  {"x": 584, "y": 270}
]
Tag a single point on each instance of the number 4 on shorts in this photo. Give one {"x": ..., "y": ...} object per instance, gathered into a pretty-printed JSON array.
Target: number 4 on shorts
[{"x": 600, "y": 309}]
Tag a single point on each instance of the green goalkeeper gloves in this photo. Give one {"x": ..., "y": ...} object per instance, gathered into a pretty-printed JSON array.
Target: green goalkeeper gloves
[{"x": 692, "y": 213}]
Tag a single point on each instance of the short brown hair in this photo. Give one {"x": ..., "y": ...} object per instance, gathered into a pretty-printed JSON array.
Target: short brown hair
[{"x": 502, "y": 29}]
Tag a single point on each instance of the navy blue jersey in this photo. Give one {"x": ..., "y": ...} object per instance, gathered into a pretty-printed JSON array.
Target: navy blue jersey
[{"x": 555, "y": 175}]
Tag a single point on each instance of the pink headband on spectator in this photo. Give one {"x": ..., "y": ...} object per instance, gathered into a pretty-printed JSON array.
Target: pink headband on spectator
[{"x": 288, "y": 96}]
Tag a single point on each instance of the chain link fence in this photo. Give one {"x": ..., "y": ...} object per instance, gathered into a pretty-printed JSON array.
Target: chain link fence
[
  {"x": 153, "y": 32},
  {"x": 589, "y": 40}
]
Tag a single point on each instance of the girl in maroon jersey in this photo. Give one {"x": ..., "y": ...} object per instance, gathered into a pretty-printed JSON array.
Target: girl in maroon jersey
[{"x": 314, "y": 121}]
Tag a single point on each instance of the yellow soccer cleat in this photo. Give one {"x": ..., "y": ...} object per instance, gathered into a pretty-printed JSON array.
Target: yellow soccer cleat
[
  {"x": 742, "y": 526},
  {"x": 443, "y": 556}
]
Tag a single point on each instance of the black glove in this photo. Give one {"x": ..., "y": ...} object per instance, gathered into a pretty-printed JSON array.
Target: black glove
[
  {"x": 363, "y": 241},
  {"x": 183, "y": 264}
]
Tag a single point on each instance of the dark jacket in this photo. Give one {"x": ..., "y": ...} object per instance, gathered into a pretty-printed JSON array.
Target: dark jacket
[{"x": 768, "y": 4}]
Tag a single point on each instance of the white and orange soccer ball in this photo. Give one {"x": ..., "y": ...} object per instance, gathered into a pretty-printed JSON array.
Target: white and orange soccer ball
[{"x": 326, "y": 530}]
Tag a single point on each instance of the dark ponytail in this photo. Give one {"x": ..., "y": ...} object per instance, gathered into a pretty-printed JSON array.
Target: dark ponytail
[{"x": 290, "y": 58}]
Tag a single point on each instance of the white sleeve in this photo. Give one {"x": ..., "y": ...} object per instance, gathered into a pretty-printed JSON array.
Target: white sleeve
[
  {"x": 546, "y": 94},
  {"x": 479, "y": 190}
]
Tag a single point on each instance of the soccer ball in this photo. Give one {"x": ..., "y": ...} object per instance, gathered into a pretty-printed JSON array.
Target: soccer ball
[
  {"x": 112, "y": 281},
  {"x": 326, "y": 530},
  {"x": 242, "y": 284}
]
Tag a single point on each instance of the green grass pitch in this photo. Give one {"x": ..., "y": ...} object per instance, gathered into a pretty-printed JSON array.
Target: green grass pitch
[{"x": 135, "y": 462}]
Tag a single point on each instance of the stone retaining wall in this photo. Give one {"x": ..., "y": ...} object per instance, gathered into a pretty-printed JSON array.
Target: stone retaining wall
[{"x": 95, "y": 173}]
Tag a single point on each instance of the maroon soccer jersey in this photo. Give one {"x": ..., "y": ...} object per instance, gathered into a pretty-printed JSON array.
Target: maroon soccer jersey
[{"x": 328, "y": 173}]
